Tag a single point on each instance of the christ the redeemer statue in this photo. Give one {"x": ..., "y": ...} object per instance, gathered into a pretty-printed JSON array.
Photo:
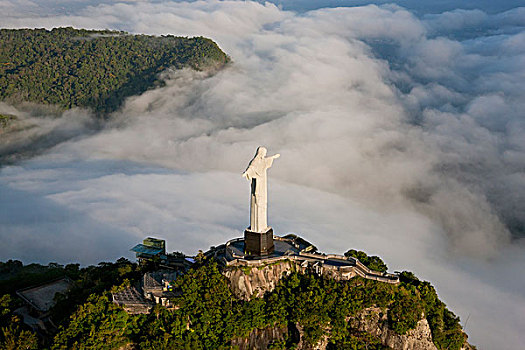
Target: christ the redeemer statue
[{"x": 256, "y": 173}]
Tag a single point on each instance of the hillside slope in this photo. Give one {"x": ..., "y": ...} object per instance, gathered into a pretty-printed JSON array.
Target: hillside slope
[
  {"x": 96, "y": 69},
  {"x": 300, "y": 311}
]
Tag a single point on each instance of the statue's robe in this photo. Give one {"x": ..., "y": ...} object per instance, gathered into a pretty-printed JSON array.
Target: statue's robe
[{"x": 256, "y": 172}]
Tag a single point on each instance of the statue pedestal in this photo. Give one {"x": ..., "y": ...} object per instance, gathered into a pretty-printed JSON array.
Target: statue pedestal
[{"x": 258, "y": 244}]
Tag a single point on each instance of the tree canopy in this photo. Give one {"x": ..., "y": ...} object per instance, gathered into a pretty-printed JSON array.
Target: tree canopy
[
  {"x": 208, "y": 316},
  {"x": 96, "y": 69},
  {"x": 372, "y": 262}
]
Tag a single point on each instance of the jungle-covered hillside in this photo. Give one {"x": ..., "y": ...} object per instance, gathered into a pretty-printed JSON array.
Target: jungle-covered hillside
[
  {"x": 208, "y": 316},
  {"x": 96, "y": 69}
]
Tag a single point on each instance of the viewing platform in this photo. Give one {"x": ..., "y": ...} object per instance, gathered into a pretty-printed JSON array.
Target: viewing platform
[{"x": 304, "y": 254}]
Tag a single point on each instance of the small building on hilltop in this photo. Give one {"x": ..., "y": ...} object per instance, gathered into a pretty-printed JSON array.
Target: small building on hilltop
[
  {"x": 154, "y": 250},
  {"x": 39, "y": 300},
  {"x": 132, "y": 300},
  {"x": 158, "y": 286},
  {"x": 150, "y": 248}
]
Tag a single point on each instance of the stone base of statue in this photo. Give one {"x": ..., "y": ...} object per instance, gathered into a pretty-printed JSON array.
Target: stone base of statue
[{"x": 258, "y": 244}]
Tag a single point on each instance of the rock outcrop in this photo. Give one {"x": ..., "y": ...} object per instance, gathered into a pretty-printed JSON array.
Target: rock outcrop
[
  {"x": 371, "y": 320},
  {"x": 374, "y": 321},
  {"x": 260, "y": 338},
  {"x": 304, "y": 345},
  {"x": 247, "y": 280}
]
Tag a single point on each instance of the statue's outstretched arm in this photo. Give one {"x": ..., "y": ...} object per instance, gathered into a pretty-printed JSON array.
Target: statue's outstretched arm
[{"x": 276, "y": 156}]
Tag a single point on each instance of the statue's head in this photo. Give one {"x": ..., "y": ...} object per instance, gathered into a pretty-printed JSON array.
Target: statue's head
[{"x": 261, "y": 152}]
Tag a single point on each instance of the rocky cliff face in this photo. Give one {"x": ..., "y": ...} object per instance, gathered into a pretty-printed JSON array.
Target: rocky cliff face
[
  {"x": 374, "y": 321},
  {"x": 260, "y": 338},
  {"x": 245, "y": 280},
  {"x": 371, "y": 320},
  {"x": 253, "y": 281}
]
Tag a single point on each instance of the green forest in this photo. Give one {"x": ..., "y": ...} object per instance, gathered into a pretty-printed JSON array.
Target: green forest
[
  {"x": 208, "y": 316},
  {"x": 5, "y": 120},
  {"x": 70, "y": 67}
]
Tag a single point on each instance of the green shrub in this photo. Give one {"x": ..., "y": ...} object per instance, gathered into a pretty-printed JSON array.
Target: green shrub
[
  {"x": 372, "y": 262},
  {"x": 405, "y": 311}
]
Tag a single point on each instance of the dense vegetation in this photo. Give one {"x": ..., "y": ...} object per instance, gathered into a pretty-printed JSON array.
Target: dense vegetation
[
  {"x": 372, "y": 262},
  {"x": 96, "y": 69},
  {"x": 14, "y": 275},
  {"x": 13, "y": 334},
  {"x": 446, "y": 330},
  {"x": 88, "y": 282},
  {"x": 209, "y": 316},
  {"x": 5, "y": 120}
]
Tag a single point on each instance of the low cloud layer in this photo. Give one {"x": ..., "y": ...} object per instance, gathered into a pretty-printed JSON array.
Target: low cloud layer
[
  {"x": 401, "y": 133},
  {"x": 34, "y": 129}
]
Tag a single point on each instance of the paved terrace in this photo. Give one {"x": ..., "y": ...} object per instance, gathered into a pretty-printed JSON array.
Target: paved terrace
[{"x": 303, "y": 253}]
